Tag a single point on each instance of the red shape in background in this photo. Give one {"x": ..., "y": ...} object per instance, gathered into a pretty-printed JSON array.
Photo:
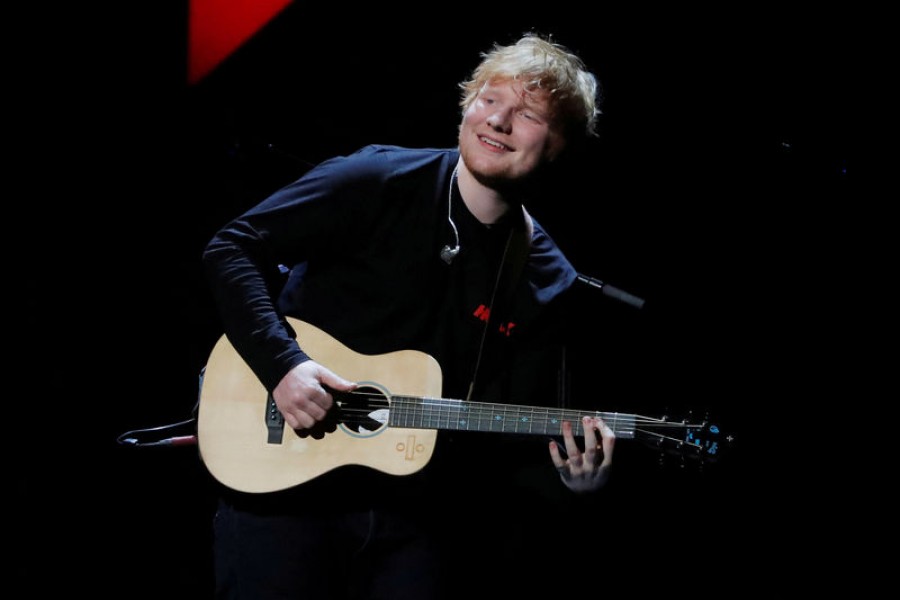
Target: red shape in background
[{"x": 216, "y": 28}]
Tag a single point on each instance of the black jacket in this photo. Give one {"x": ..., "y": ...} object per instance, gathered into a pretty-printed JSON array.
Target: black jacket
[
  {"x": 354, "y": 248},
  {"x": 361, "y": 237}
]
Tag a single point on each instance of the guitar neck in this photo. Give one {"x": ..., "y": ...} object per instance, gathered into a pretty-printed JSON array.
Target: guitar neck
[{"x": 459, "y": 415}]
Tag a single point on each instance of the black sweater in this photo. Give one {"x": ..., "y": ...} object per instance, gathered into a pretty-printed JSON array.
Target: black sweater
[
  {"x": 360, "y": 239},
  {"x": 362, "y": 236}
]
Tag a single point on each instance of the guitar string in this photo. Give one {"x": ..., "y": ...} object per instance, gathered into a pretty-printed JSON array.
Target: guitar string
[
  {"x": 622, "y": 421},
  {"x": 444, "y": 407},
  {"x": 520, "y": 427},
  {"x": 539, "y": 428},
  {"x": 524, "y": 413},
  {"x": 476, "y": 416},
  {"x": 538, "y": 416},
  {"x": 480, "y": 408}
]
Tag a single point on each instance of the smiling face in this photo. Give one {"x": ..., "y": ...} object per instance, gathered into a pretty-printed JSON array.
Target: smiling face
[{"x": 507, "y": 133}]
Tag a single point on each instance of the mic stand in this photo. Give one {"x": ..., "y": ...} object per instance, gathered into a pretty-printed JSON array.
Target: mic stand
[{"x": 612, "y": 292}]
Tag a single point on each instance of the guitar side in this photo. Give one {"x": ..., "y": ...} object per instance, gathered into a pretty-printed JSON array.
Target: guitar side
[{"x": 232, "y": 430}]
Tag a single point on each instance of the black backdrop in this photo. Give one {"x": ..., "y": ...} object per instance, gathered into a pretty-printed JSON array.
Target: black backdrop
[{"x": 725, "y": 143}]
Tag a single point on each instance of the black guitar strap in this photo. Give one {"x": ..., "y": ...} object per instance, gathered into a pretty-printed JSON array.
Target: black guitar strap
[{"x": 515, "y": 255}]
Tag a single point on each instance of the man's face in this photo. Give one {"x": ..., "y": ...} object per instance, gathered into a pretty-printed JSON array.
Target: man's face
[{"x": 506, "y": 133}]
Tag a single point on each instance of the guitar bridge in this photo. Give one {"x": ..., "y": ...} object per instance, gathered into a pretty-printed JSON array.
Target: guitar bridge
[{"x": 274, "y": 421}]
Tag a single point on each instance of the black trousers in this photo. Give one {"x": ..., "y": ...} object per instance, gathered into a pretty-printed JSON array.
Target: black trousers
[
  {"x": 331, "y": 555},
  {"x": 355, "y": 534}
]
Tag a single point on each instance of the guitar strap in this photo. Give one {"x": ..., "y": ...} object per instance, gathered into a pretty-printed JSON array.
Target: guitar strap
[{"x": 515, "y": 255}]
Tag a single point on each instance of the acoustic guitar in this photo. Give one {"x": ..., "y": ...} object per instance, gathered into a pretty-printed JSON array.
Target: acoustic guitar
[{"x": 390, "y": 422}]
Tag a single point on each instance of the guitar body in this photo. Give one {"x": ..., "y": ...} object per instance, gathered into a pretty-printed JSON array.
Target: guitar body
[{"x": 242, "y": 448}]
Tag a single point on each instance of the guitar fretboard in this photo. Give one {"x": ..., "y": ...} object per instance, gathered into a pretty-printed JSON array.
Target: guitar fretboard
[{"x": 459, "y": 415}]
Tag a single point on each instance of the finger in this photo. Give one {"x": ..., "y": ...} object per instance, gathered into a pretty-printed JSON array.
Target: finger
[
  {"x": 572, "y": 448},
  {"x": 332, "y": 380},
  {"x": 590, "y": 441},
  {"x": 309, "y": 410},
  {"x": 291, "y": 420},
  {"x": 556, "y": 456},
  {"x": 298, "y": 409},
  {"x": 299, "y": 420},
  {"x": 608, "y": 441},
  {"x": 317, "y": 403},
  {"x": 558, "y": 461}
]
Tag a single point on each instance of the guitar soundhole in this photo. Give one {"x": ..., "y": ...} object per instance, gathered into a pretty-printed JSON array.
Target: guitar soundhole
[{"x": 364, "y": 410}]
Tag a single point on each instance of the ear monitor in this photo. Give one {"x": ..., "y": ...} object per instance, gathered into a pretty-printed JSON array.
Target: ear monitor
[{"x": 448, "y": 253}]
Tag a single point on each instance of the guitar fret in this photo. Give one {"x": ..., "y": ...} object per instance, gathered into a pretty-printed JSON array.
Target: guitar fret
[
  {"x": 436, "y": 414},
  {"x": 440, "y": 413},
  {"x": 498, "y": 419},
  {"x": 519, "y": 420},
  {"x": 544, "y": 417}
]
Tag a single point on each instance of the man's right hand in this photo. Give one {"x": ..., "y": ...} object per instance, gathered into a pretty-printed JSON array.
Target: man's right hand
[{"x": 302, "y": 397}]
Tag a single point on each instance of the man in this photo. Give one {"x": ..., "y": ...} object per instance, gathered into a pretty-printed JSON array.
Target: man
[{"x": 394, "y": 249}]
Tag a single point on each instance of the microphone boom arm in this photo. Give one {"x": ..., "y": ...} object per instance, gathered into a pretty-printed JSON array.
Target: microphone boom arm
[{"x": 612, "y": 292}]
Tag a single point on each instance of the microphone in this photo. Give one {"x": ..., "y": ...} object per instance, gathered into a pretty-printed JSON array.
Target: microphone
[
  {"x": 448, "y": 253},
  {"x": 612, "y": 292}
]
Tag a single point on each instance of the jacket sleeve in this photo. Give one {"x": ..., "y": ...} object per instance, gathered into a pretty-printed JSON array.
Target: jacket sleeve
[{"x": 246, "y": 259}]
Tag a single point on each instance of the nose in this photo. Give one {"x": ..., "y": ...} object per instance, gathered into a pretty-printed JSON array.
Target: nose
[{"x": 500, "y": 120}]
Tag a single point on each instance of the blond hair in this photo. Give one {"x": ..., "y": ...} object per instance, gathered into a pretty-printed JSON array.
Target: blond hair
[{"x": 540, "y": 64}]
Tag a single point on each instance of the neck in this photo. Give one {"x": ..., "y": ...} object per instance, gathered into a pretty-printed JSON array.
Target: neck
[{"x": 486, "y": 204}]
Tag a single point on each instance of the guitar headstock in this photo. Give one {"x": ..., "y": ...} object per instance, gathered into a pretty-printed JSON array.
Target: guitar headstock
[{"x": 689, "y": 438}]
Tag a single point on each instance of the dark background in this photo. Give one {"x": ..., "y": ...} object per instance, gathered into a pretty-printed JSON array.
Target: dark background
[{"x": 713, "y": 192}]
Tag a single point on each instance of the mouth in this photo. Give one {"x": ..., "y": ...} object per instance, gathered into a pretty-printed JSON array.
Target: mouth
[{"x": 494, "y": 144}]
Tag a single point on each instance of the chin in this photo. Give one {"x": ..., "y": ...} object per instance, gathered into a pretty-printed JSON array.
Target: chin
[
  {"x": 488, "y": 170},
  {"x": 503, "y": 180}
]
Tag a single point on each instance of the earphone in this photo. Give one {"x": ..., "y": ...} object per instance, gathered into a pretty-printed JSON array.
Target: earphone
[{"x": 448, "y": 253}]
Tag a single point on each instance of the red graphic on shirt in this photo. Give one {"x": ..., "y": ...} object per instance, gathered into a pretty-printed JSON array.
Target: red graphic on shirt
[
  {"x": 484, "y": 313},
  {"x": 506, "y": 329}
]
